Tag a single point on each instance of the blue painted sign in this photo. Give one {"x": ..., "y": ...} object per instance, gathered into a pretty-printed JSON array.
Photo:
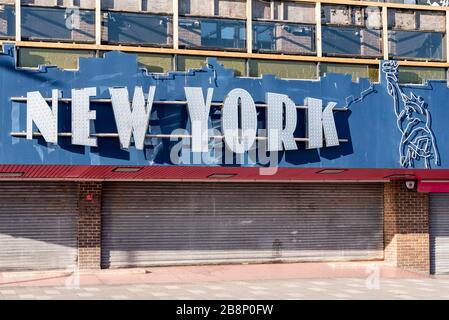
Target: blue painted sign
[{"x": 338, "y": 123}]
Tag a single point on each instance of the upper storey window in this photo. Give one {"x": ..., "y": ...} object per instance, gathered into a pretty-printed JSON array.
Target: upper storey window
[
  {"x": 351, "y": 31},
  {"x": 416, "y": 34},
  {"x": 137, "y": 22},
  {"x": 7, "y": 19},
  {"x": 58, "y": 20},
  {"x": 212, "y": 24},
  {"x": 284, "y": 26}
]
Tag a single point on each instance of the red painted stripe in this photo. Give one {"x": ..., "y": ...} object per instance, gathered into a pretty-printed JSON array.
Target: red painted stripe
[{"x": 201, "y": 173}]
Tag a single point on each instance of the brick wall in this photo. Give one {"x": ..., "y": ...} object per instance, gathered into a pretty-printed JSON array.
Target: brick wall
[
  {"x": 89, "y": 225},
  {"x": 371, "y": 42},
  {"x": 416, "y": 20},
  {"x": 261, "y": 9},
  {"x": 189, "y": 34},
  {"x": 196, "y": 7},
  {"x": 297, "y": 12},
  {"x": 290, "y": 41},
  {"x": 86, "y": 30},
  {"x": 153, "y": 6},
  {"x": 85, "y": 4},
  {"x": 406, "y": 227}
]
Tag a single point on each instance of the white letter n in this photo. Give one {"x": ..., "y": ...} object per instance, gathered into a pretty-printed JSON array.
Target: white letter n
[{"x": 44, "y": 117}]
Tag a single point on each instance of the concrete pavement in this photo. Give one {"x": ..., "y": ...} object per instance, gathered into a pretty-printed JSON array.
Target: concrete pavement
[{"x": 372, "y": 280}]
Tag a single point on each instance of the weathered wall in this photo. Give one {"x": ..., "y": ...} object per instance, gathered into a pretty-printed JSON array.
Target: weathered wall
[
  {"x": 300, "y": 40},
  {"x": 217, "y": 8},
  {"x": 85, "y": 4},
  {"x": 153, "y": 6},
  {"x": 416, "y": 20},
  {"x": 342, "y": 15}
]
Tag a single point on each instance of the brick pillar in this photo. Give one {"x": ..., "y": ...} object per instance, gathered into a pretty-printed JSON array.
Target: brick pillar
[
  {"x": 89, "y": 225},
  {"x": 406, "y": 227}
]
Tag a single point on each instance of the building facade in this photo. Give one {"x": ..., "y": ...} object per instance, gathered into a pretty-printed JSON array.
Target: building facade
[{"x": 166, "y": 132}]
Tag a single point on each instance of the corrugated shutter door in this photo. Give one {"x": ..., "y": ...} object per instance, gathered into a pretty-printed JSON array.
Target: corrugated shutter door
[
  {"x": 439, "y": 233},
  {"x": 37, "y": 225},
  {"x": 181, "y": 223}
]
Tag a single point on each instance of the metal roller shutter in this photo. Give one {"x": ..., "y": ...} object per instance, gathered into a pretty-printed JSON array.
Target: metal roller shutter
[
  {"x": 182, "y": 223},
  {"x": 439, "y": 233},
  {"x": 37, "y": 225}
]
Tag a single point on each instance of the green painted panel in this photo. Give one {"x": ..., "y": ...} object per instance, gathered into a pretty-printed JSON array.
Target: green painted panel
[
  {"x": 373, "y": 72},
  {"x": 355, "y": 70},
  {"x": 184, "y": 63},
  {"x": 160, "y": 63},
  {"x": 419, "y": 75},
  {"x": 283, "y": 69},
  {"x": 65, "y": 59},
  {"x": 238, "y": 65}
]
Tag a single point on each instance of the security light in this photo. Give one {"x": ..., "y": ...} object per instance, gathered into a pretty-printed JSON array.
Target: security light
[{"x": 410, "y": 184}]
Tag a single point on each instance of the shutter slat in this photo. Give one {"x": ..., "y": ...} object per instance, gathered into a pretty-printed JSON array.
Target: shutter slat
[
  {"x": 37, "y": 225},
  {"x": 158, "y": 223}
]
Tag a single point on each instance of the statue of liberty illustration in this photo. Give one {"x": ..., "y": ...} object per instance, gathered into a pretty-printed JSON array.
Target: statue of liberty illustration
[{"x": 413, "y": 120}]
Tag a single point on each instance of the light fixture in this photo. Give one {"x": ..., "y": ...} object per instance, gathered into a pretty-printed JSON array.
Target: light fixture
[
  {"x": 221, "y": 175},
  {"x": 331, "y": 171},
  {"x": 127, "y": 169},
  {"x": 11, "y": 174},
  {"x": 410, "y": 184}
]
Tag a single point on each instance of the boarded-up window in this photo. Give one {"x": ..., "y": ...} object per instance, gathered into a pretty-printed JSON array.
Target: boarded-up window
[
  {"x": 419, "y": 75},
  {"x": 283, "y": 69},
  {"x": 65, "y": 59},
  {"x": 160, "y": 63},
  {"x": 356, "y": 71},
  {"x": 238, "y": 65},
  {"x": 185, "y": 63}
]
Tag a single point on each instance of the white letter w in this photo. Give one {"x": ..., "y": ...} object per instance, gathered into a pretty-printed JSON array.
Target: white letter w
[{"x": 132, "y": 119}]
